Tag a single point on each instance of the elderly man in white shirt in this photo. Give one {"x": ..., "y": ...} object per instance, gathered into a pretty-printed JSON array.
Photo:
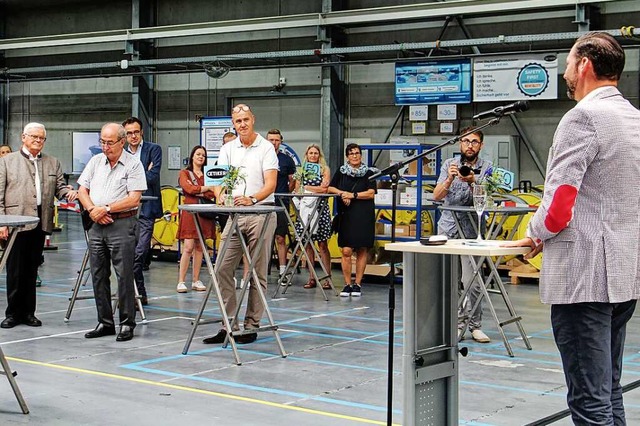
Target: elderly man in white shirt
[
  {"x": 259, "y": 163},
  {"x": 110, "y": 189}
]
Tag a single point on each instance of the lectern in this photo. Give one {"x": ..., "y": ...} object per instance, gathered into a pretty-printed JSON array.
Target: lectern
[{"x": 430, "y": 326}]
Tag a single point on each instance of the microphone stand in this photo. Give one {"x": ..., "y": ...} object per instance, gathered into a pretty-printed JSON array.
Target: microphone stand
[{"x": 393, "y": 171}]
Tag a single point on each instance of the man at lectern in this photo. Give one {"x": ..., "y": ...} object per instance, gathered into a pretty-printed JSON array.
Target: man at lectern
[
  {"x": 589, "y": 224},
  {"x": 454, "y": 187}
]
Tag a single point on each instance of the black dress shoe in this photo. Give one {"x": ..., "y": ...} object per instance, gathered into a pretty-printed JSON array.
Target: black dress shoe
[
  {"x": 9, "y": 322},
  {"x": 32, "y": 321},
  {"x": 246, "y": 338},
  {"x": 100, "y": 331},
  {"x": 145, "y": 267},
  {"x": 126, "y": 333},
  {"x": 218, "y": 338}
]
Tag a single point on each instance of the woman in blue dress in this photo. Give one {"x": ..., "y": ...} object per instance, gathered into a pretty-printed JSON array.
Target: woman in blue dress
[{"x": 317, "y": 182}]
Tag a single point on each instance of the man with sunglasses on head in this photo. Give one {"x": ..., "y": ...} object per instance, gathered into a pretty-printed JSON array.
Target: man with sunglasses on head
[
  {"x": 258, "y": 163},
  {"x": 28, "y": 182},
  {"x": 111, "y": 185},
  {"x": 150, "y": 155},
  {"x": 454, "y": 187}
]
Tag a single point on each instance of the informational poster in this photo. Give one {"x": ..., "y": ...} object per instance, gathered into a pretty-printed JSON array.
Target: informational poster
[
  {"x": 212, "y": 129},
  {"x": 84, "y": 146},
  {"x": 173, "y": 155},
  {"x": 508, "y": 78}
]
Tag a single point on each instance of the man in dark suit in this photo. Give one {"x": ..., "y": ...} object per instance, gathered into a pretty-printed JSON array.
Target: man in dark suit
[
  {"x": 150, "y": 155},
  {"x": 22, "y": 194}
]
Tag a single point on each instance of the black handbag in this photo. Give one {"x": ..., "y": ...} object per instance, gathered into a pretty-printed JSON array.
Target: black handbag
[
  {"x": 335, "y": 223},
  {"x": 207, "y": 215}
]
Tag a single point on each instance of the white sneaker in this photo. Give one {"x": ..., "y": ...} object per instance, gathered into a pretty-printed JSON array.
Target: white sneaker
[
  {"x": 182, "y": 287},
  {"x": 479, "y": 336},
  {"x": 198, "y": 286}
]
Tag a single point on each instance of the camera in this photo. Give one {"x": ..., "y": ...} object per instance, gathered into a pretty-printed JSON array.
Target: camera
[{"x": 464, "y": 170}]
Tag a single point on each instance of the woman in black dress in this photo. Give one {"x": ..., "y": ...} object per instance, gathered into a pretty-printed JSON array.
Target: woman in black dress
[{"x": 356, "y": 229}]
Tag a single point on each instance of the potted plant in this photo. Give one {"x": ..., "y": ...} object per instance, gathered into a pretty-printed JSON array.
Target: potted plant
[
  {"x": 233, "y": 177},
  {"x": 303, "y": 173}
]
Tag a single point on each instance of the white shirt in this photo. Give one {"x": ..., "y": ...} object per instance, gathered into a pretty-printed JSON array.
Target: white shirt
[
  {"x": 35, "y": 161},
  {"x": 138, "y": 151},
  {"x": 108, "y": 185},
  {"x": 254, "y": 161}
]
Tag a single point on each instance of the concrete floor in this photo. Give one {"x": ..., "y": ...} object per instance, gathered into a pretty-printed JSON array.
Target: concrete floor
[{"x": 335, "y": 372}]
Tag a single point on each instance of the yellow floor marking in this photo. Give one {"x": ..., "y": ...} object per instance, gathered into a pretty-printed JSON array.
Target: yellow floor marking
[{"x": 200, "y": 391}]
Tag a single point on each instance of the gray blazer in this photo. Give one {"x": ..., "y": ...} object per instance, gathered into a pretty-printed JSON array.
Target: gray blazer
[
  {"x": 591, "y": 252},
  {"x": 18, "y": 187}
]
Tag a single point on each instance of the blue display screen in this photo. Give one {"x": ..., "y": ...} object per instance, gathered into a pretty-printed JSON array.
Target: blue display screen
[{"x": 433, "y": 82}]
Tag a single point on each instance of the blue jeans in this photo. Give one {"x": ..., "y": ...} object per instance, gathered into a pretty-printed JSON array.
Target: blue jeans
[{"x": 590, "y": 337}]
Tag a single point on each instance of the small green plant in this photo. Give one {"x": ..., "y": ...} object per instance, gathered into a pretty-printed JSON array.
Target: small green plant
[
  {"x": 303, "y": 173},
  {"x": 492, "y": 180},
  {"x": 233, "y": 177}
]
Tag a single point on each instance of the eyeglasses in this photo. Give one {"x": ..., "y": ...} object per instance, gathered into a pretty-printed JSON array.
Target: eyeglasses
[
  {"x": 134, "y": 133},
  {"x": 237, "y": 109},
  {"x": 353, "y": 153},
  {"x": 108, "y": 143},
  {"x": 37, "y": 138},
  {"x": 474, "y": 143}
]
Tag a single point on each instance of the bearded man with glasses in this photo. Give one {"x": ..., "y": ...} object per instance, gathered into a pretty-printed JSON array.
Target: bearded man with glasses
[
  {"x": 454, "y": 187},
  {"x": 29, "y": 180}
]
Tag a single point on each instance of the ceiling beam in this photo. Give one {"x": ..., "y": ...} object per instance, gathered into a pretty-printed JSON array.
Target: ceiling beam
[{"x": 388, "y": 14}]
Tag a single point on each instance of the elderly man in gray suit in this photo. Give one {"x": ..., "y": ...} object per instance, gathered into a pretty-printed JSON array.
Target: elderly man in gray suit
[
  {"x": 589, "y": 224},
  {"x": 21, "y": 193}
]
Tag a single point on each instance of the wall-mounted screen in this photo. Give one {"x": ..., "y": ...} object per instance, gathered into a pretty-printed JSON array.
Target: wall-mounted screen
[
  {"x": 433, "y": 82},
  {"x": 84, "y": 146}
]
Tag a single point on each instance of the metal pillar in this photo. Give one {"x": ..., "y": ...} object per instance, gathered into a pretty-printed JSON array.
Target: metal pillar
[
  {"x": 143, "y": 94},
  {"x": 332, "y": 95}
]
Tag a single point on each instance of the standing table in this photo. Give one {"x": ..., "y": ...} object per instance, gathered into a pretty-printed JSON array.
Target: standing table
[
  {"x": 430, "y": 319},
  {"x": 13, "y": 223},
  {"x": 83, "y": 275},
  {"x": 304, "y": 238},
  {"x": 234, "y": 215},
  {"x": 500, "y": 215}
]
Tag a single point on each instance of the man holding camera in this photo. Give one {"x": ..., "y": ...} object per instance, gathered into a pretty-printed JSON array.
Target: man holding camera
[{"x": 454, "y": 187}]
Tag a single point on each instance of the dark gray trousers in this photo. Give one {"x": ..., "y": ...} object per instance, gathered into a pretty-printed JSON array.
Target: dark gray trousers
[
  {"x": 114, "y": 243},
  {"x": 145, "y": 231},
  {"x": 590, "y": 337}
]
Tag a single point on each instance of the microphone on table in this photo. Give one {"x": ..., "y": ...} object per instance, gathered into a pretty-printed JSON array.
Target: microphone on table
[{"x": 501, "y": 111}]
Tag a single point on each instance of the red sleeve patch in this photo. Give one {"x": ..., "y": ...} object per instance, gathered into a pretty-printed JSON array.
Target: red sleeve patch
[{"x": 561, "y": 209}]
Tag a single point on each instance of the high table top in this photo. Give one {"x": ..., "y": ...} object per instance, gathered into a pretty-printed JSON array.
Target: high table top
[
  {"x": 214, "y": 208},
  {"x": 306, "y": 194},
  {"x": 13, "y": 220},
  {"x": 516, "y": 209},
  {"x": 460, "y": 247}
]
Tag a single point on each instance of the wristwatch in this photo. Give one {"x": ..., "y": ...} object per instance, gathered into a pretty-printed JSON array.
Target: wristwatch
[
  {"x": 254, "y": 200},
  {"x": 355, "y": 195},
  {"x": 108, "y": 208}
]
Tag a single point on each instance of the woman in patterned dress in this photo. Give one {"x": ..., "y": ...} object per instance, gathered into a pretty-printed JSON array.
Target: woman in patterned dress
[{"x": 317, "y": 184}]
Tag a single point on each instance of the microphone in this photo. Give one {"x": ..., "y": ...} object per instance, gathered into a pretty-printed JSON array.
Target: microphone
[{"x": 503, "y": 110}]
